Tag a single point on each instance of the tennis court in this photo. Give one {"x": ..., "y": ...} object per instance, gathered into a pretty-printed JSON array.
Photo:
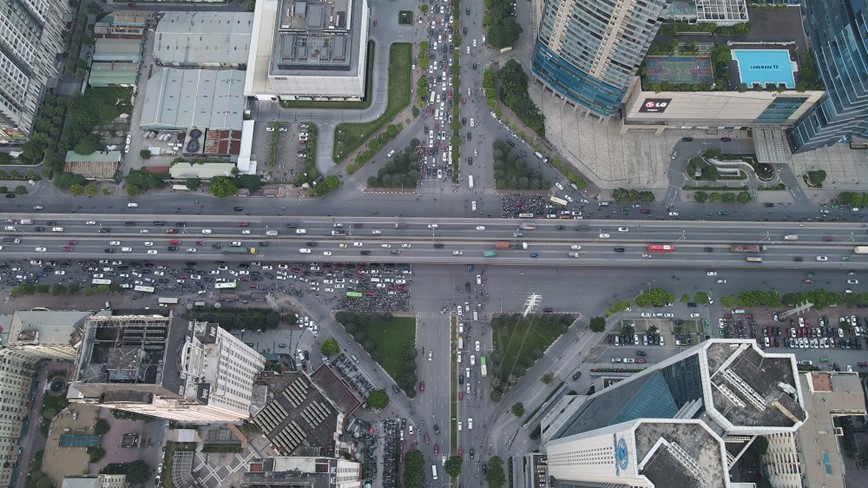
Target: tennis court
[
  {"x": 691, "y": 70},
  {"x": 77, "y": 440},
  {"x": 763, "y": 66}
]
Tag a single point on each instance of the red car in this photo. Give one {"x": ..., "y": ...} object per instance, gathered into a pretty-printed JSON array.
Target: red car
[
  {"x": 436, "y": 449},
  {"x": 175, "y": 242},
  {"x": 200, "y": 243},
  {"x": 68, "y": 248},
  {"x": 427, "y": 439},
  {"x": 461, "y": 395},
  {"x": 72, "y": 243},
  {"x": 244, "y": 224},
  {"x": 253, "y": 285},
  {"x": 421, "y": 386},
  {"x": 827, "y": 238},
  {"x": 460, "y": 452}
]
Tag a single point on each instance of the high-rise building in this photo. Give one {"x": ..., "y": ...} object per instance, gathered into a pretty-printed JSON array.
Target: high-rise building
[
  {"x": 192, "y": 372},
  {"x": 589, "y": 50},
  {"x": 31, "y": 38},
  {"x": 838, "y": 33},
  {"x": 320, "y": 472},
  {"x": 682, "y": 422},
  {"x": 16, "y": 378}
]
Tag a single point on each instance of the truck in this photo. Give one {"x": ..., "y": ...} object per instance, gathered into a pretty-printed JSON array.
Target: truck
[
  {"x": 11, "y": 240},
  {"x": 25, "y": 221},
  {"x": 239, "y": 250},
  {"x": 856, "y": 250},
  {"x": 747, "y": 248},
  {"x": 791, "y": 237},
  {"x": 519, "y": 245},
  {"x": 501, "y": 245},
  {"x": 573, "y": 254}
]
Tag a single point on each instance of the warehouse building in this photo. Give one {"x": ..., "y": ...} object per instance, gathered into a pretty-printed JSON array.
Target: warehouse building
[
  {"x": 197, "y": 39},
  {"x": 308, "y": 50},
  {"x": 180, "y": 99}
]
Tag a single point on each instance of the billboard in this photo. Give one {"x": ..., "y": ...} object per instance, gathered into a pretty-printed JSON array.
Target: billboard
[{"x": 655, "y": 105}]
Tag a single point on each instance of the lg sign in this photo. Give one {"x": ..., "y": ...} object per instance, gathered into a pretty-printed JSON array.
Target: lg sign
[{"x": 655, "y": 105}]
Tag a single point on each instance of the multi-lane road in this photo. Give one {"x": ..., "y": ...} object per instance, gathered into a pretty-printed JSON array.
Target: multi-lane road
[{"x": 432, "y": 240}]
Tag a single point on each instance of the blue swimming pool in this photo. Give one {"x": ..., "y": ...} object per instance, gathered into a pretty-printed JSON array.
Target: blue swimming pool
[{"x": 765, "y": 66}]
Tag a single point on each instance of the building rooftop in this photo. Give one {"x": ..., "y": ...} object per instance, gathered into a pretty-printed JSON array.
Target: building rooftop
[
  {"x": 190, "y": 38},
  {"x": 32, "y": 327},
  {"x": 194, "y": 98},
  {"x": 299, "y": 418},
  {"x": 683, "y": 454},
  {"x": 335, "y": 388},
  {"x": 729, "y": 382},
  {"x": 312, "y": 36},
  {"x": 309, "y": 472}
]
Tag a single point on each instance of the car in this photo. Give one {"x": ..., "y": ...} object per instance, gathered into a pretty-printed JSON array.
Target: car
[
  {"x": 326, "y": 253},
  {"x": 427, "y": 438},
  {"x": 822, "y": 258},
  {"x": 470, "y": 423},
  {"x": 430, "y": 356},
  {"x": 358, "y": 244},
  {"x": 673, "y": 214},
  {"x": 711, "y": 273},
  {"x": 246, "y": 232},
  {"x": 206, "y": 231},
  {"x": 422, "y": 386},
  {"x": 619, "y": 249},
  {"x": 68, "y": 248},
  {"x": 721, "y": 281},
  {"x": 301, "y": 231},
  {"x": 478, "y": 346},
  {"x": 114, "y": 243},
  {"x": 646, "y": 314},
  {"x": 436, "y": 449},
  {"x": 152, "y": 251},
  {"x": 623, "y": 229},
  {"x": 132, "y": 205},
  {"x": 126, "y": 249},
  {"x": 694, "y": 315},
  {"x": 726, "y": 139},
  {"x": 603, "y": 235},
  {"x": 191, "y": 249},
  {"x": 534, "y": 254},
  {"x": 405, "y": 245},
  {"x": 797, "y": 259},
  {"x": 376, "y": 232},
  {"x": 304, "y": 250},
  {"x": 828, "y": 238},
  {"x": 40, "y": 249},
  {"x": 457, "y": 253},
  {"x": 577, "y": 375},
  {"x": 852, "y": 281},
  {"x": 708, "y": 249}
]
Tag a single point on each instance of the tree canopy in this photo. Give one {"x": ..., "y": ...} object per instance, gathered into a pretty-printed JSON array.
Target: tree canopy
[
  {"x": 513, "y": 92},
  {"x": 495, "y": 476},
  {"x": 330, "y": 347},
  {"x": 223, "y": 187},
  {"x": 598, "y": 324},
  {"x": 453, "y": 466},
  {"x": 378, "y": 399}
]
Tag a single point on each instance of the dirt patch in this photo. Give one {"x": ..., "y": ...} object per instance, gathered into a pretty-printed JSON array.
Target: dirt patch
[{"x": 61, "y": 461}]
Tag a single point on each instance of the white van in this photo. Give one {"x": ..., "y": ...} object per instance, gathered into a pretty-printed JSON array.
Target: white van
[{"x": 434, "y": 471}]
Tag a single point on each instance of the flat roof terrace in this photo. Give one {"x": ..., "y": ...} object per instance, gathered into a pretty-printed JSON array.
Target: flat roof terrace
[{"x": 316, "y": 35}]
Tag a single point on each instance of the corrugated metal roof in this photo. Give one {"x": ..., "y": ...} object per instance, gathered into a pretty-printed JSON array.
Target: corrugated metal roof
[
  {"x": 97, "y": 157},
  {"x": 203, "y": 38},
  {"x": 184, "y": 98}
]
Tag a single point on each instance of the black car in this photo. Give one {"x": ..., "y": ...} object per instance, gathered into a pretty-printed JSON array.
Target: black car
[
  {"x": 687, "y": 139},
  {"x": 577, "y": 375},
  {"x": 311, "y": 244},
  {"x": 396, "y": 389},
  {"x": 291, "y": 226},
  {"x": 366, "y": 253},
  {"x": 438, "y": 246},
  {"x": 708, "y": 249},
  {"x": 39, "y": 228},
  {"x": 180, "y": 224},
  {"x": 172, "y": 248},
  {"x": 461, "y": 379},
  {"x": 619, "y": 249},
  {"x": 560, "y": 227},
  {"x": 640, "y": 353},
  {"x": 436, "y": 429},
  {"x": 797, "y": 259},
  {"x": 548, "y": 310},
  {"x": 10, "y": 195},
  {"x": 769, "y": 205},
  {"x": 725, "y": 139},
  {"x": 109, "y": 250},
  {"x": 467, "y": 286},
  {"x": 130, "y": 224},
  {"x": 238, "y": 209},
  {"x": 263, "y": 244},
  {"x": 472, "y": 453},
  {"x": 159, "y": 222}
]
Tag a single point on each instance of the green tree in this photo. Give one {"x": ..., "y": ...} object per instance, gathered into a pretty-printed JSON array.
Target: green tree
[
  {"x": 91, "y": 190},
  {"x": 76, "y": 189},
  {"x": 20, "y": 190},
  {"x": 193, "y": 183},
  {"x": 330, "y": 347},
  {"x": 378, "y": 399},
  {"x": 102, "y": 427},
  {"x": 495, "y": 475},
  {"x": 685, "y": 298},
  {"x": 453, "y": 466},
  {"x": 145, "y": 153},
  {"x": 38, "y": 479},
  {"x": 414, "y": 469},
  {"x": 518, "y": 409},
  {"x": 223, "y": 187},
  {"x": 138, "y": 471},
  {"x": 743, "y": 197},
  {"x": 700, "y": 297},
  {"x": 598, "y": 324},
  {"x": 547, "y": 378}
]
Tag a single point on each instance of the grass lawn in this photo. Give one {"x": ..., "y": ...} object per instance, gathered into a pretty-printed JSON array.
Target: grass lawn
[
  {"x": 369, "y": 87},
  {"x": 521, "y": 341},
  {"x": 350, "y": 136},
  {"x": 405, "y": 17},
  {"x": 392, "y": 340}
]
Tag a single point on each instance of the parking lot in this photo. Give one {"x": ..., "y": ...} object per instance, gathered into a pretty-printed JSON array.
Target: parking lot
[{"x": 288, "y": 144}]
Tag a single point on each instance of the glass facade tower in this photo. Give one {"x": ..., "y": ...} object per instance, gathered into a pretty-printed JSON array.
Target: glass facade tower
[
  {"x": 589, "y": 50},
  {"x": 838, "y": 33}
]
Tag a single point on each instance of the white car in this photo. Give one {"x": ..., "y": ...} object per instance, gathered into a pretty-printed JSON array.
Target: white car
[
  {"x": 822, "y": 258},
  {"x": 149, "y": 244},
  {"x": 852, "y": 282},
  {"x": 603, "y": 235},
  {"x": 114, "y": 243},
  {"x": 387, "y": 246},
  {"x": 245, "y": 232},
  {"x": 191, "y": 249},
  {"x": 40, "y": 249},
  {"x": 669, "y": 315},
  {"x": 91, "y": 222},
  {"x": 152, "y": 251},
  {"x": 478, "y": 346},
  {"x": 326, "y": 253},
  {"x": 126, "y": 249},
  {"x": 301, "y": 231},
  {"x": 711, "y": 273},
  {"x": 560, "y": 186},
  {"x": 132, "y": 205},
  {"x": 430, "y": 355},
  {"x": 472, "y": 359},
  {"x": 459, "y": 422},
  {"x": 457, "y": 253},
  {"x": 673, "y": 214},
  {"x": 269, "y": 129},
  {"x": 470, "y": 423},
  {"x": 357, "y": 244},
  {"x": 646, "y": 314},
  {"x": 575, "y": 247},
  {"x": 376, "y": 232},
  {"x": 144, "y": 231},
  {"x": 694, "y": 315},
  {"x": 304, "y": 250},
  {"x": 60, "y": 272},
  {"x": 405, "y": 245},
  {"x": 623, "y": 229},
  {"x": 721, "y": 281},
  {"x": 206, "y": 231},
  {"x": 480, "y": 227}
]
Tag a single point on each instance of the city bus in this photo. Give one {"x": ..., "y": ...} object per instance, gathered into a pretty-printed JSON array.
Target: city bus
[
  {"x": 860, "y": 250},
  {"x": 144, "y": 289},
  {"x": 489, "y": 254},
  {"x": 354, "y": 294},
  {"x": 229, "y": 285},
  {"x": 558, "y": 201},
  {"x": 98, "y": 281},
  {"x": 753, "y": 259},
  {"x": 661, "y": 248},
  {"x": 483, "y": 368},
  {"x": 470, "y": 181}
]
